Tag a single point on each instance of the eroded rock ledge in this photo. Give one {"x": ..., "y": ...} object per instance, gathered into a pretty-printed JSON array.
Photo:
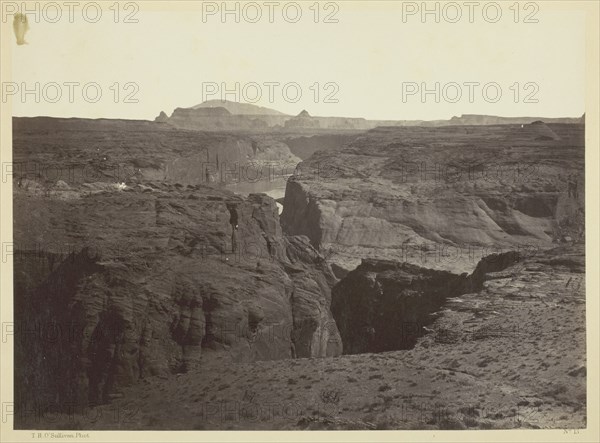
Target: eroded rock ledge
[
  {"x": 118, "y": 285},
  {"x": 402, "y": 194},
  {"x": 385, "y": 306}
]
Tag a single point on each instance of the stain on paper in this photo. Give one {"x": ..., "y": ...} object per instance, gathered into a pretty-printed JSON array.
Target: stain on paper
[{"x": 21, "y": 26}]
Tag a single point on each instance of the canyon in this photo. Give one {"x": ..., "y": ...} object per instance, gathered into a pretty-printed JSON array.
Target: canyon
[
  {"x": 155, "y": 274},
  {"x": 440, "y": 197}
]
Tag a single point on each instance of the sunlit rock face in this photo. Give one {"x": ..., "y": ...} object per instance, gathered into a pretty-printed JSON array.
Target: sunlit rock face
[{"x": 441, "y": 198}]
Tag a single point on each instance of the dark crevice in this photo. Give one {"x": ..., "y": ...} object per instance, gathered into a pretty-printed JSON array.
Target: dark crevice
[{"x": 384, "y": 305}]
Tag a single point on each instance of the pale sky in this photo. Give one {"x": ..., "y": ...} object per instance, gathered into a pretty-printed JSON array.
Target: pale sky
[{"x": 367, "y": 57}]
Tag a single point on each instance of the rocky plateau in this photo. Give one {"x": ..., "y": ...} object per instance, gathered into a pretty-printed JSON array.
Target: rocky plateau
[{"x": 419, "y": 277}]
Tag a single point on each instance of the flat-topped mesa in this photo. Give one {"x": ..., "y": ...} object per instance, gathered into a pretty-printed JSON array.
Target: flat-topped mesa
[
  {"x": 303, "y": 120},
  {"x": 216, "y": 118},
  {"x": 246, "y": 116},
  {"x": 237, "y": 108},
  {"x": 479, "y": 119},
  {"x": 211, "y": 112}
]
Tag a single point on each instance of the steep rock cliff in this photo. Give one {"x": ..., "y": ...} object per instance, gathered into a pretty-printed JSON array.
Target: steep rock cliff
[
  {"x": 146, "y": 281},
  {"x": 440, "y": 198}
]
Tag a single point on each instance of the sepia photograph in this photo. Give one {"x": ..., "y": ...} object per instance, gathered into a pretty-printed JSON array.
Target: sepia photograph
[{"x": 306, "y": 217}]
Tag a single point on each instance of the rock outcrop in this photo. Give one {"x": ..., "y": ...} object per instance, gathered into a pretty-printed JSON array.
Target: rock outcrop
[
  {"x": 114, "y": 151},
  {"x": 146, "y": 281},
  {"x": 402, "y": 194},
  {"x": 162, "y": 117},
  {"x": 512, "y": 355},
  {"x": 386, "y": 306},
  {"x": 302, "y": 120}
]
